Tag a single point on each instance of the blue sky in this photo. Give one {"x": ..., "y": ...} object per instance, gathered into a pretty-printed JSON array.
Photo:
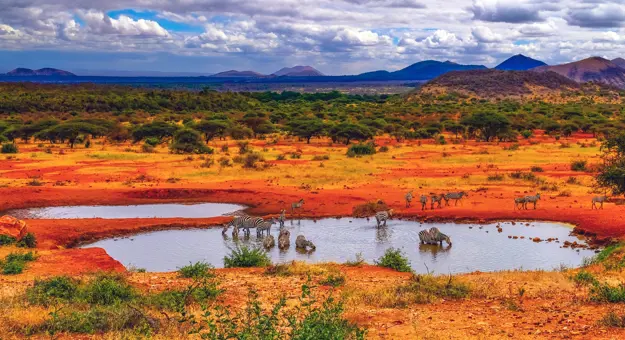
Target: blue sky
[{"x": 335, "y": 36}]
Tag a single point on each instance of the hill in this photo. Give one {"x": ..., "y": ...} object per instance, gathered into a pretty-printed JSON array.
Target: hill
[
  {"x": 519, "y": 62},
  {"x": 496, "y": 84},
  {"x": 46, "y": 71},
  {"x": 595, "y": 69},
  {"x": 423, "y": 70},
  {"x": 298, "y": 71},
  {"x": 620, "y": 62},
  {"x": 237, "y": 74}
]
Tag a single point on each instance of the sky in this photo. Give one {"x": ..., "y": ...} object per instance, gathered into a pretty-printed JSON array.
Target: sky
[{"x": 335, "y": 36}]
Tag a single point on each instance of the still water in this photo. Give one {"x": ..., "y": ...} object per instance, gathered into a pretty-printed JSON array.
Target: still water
[
  {"x": 475, "y": 247},
  {"x": 200, "y": 210}
]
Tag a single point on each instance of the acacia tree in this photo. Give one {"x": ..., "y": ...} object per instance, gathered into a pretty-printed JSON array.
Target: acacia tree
[
  {"x": 69, "y": 132},
  {"x": 346, "y": 132},
  {"x": 488, "y": 125},
  {"x": 188, "y": 141},
  {"x": 213, "y": 128},
  {"x": 611, "y": 173},
  {"x": 307, "y": 128},
  {"x": 159, "y": 130}
]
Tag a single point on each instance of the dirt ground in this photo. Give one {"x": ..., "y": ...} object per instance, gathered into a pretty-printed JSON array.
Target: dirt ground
[{"x": 553, "y": 306}]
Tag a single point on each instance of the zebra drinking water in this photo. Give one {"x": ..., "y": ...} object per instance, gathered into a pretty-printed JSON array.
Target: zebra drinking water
[
  {"x": 264, "y": 226},
  {"x": 408, "y": 199},
  {"x": 531, "y": 199},
  {"x": 600, "y": 200},
  {"x": 519, "y": 203},
  {"x": 424, "y": 201},
  {"x": 383, "y": 216},
  {"x": 297, "y": 205},
  {"x": 456, "y": 196},
  {"x": 302, "y": 243},
  {"x": 236, "y": 222},
  {"x": 433, "y": 236},
  {"x": 436, "y": 199}
]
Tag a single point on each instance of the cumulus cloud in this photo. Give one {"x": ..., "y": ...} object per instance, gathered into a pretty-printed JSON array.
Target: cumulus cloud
[
  {"x": 485, "y": 34},
  {"x": 100, "y": 23},
  {"x": 597, "y": 16},
  {"x": 506, "y": 11}
]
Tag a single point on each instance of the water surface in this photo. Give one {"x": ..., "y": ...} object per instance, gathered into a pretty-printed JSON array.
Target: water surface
[
  {"x": 200, "y": 210},
  {"x": 475, "y": 247}
]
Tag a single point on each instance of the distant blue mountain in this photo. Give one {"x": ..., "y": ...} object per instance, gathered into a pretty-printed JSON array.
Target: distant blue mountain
[
  {"x": 519, "y": 62},
  {"x": 423, "y": 70}
]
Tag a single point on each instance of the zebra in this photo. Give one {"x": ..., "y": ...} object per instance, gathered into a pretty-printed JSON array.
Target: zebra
[
  {"x": 382, "y": 216},
  {"x": 264, "y": 226},
  {"x": 600, "y": 200},
  {"x": 424, "y": 201},
  {"x": 252, "y": 222},
  {"x": 436, "y": 199},
  {"x": 297, "y": 205},
  {"x": 456, "y": 196},
  {"x": 302, "y": 243},
  {"x": 236, "y": 222},
  {"x": 408, "y": 199},
  {"x": 519, "y": 203},
  {"x": 284, "y": 239},
  {"x": 531, "y": 199},
  {"x": 433, "y": 236},
  {"x": 282, "y": 217}
]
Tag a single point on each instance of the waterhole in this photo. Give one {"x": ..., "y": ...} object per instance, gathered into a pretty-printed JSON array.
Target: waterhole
[
  {"x": 475, "y": 247},
  {"x": 200, "y": 210}
]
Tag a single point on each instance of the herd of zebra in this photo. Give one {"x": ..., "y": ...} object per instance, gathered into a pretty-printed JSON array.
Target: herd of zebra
[
  {"x": 246, "y": 223},
  {"x": 436, "y": 199}
]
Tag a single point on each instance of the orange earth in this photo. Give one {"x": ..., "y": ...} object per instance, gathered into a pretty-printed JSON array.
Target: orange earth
[{"x": 553, "y": 306}]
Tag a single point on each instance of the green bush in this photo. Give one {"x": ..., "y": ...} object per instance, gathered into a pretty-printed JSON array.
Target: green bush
[
  {"x": 603, "y": 292},
  {"x": 9, "y": 148},
  {"x": 245, "y": 256},
  {"x": 28, "y": 241},
  {"x": 383, "y": 148},
  {"x": 394, "y": 258},
  {"x": 50, "y": 291},
  {"x": 15, "y": 263},
  {"x": 333, "y": 280},
  {"x": 536, "y": 169},
  {"x": 152, "y": 141},
  {"x": 584, "y": 278},
  {"x": 578, "y": 165},
  {"x": 526, "y": 134},
  {"x": 362, "y": 149},
  {"x": 251, "y": 158},
  {"x": 197, "y": 270},
  {"x": 6, "y": 240},
  {"x": 108, "y": 289}
]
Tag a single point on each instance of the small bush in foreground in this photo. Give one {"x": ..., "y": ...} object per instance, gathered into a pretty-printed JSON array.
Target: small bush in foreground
[
  {"x": 6, "y": 240},
  {"x": 603, "y": 292},
  {"x": 361, "y": 149},
  {"x": 28, "y": 241},
  {"x": 394, "y": 258},
  {"x": 612, "y": 319},
  {"x": 584, "y": 278},
  {"x": 245, "y": 256},
  {"x": 333, "y": 280},
  {"x": 52, "y": 291},
  {"x": 578, "y": 165},
  {"x": 9, "y": 148},
  {"x": 108, "y": 289},
  {"x": 197, "y": 270},
  {"x": 15, "y": 263}
]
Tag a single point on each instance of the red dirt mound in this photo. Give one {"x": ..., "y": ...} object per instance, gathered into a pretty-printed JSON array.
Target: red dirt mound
[{"x": 11, "y": 226}]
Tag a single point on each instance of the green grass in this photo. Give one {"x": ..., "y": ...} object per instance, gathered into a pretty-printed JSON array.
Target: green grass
[
  {"x": 333, "y": 280},
  {"x": 15, "y": 263},
  {"x": 245, "y": 256},
  {"x": 52, "y": 290},
  {"x": 394, "y": 259},
  {"x": 196, "y": 270},
  {"x": 108, "y": 289},
  {"x": 117, "y": 156},
  {"x": 6, "y": 240},
  {"x": 603, "y": 292}
]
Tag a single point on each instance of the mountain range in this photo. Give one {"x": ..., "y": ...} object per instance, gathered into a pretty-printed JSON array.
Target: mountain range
[
  {"x": 519, "y": 62},
  {"x": 26, "y": 72},
  {"x": 594, "y": 69}
]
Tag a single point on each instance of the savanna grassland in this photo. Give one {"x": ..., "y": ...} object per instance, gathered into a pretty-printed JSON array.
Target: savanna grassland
[{"x": 81, "y": 145}]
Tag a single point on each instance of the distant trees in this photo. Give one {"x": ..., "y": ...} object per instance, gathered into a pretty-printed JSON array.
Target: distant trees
[
  {"x": 611, "y": 174},
  {"x": 158, "y": 130},
  {"x": 487, "y": 125},
  {"x": 213, "y": 128},
  {"x": 345, "y": 132},
  {"x": 69, "y": 132},
  {"x": 307, "y": 128},
  {"x": 189, "y": 141}
]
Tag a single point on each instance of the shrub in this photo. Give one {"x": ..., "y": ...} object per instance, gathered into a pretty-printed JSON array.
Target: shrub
[
  {"x": 578, "y": 165},
  {"x": 207, "y": 163},
  {"x": 357, "y": 262},
  {"x": 362, "y": 149},
  {"x": 88, "y": 144},
  {"x": 394, "y": 258},
  {"x": 251, "y": 158},
  {"x": 53, "y": 290},
  {"x": 333, "y": 280},
  {"x": 584, "y": 278},
  {"x": 147, "y": 148},
  {"x": 495, "y": 177},
  {"x": 244, "y": 147},
  {"x": 14, "y": 263},
  {"x": 225, "y": 162},
  {"x": 603, "y": 292},
  {"x": 526, "y": 134},
  {"x": 108, "y": 289},
  {"x": 383, "y": 148},
  {"x": 611, "y": 319},
  {"x": 224, "y": 148},
  {"x": 572, "y": 180},
  {"x": 28, "y": 241},
  {"x": 6, "y": 240},
  {"x": 321, "y": 158},
  {"x": 152, "y": 141},
  {"x": 296, "y": 155},
  {"x": 245, "y": 256},
  {"x": 281, "y": 157},
  {"x": 9, "y": 148},
  {"x": 197, "y": 270},
  {"x": 536, "y": 169}
]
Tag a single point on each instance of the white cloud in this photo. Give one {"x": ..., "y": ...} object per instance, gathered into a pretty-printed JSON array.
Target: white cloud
[{"x": 100, "y": 23}]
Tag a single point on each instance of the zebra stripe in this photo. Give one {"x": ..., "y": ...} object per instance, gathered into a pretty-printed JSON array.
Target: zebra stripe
[
  {"x": 456, "y": 196},
  {"x": 532, "y": 199},
  {"x": 433, "y": 236}
]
